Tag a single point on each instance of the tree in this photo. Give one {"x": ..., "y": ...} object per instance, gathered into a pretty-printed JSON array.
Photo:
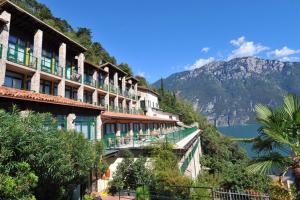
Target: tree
[
  {"x": 131, "y": 174},
  {"x": 38, "y": 159},
  {"x": 142, "y": 81},
  {"x": 279, "y": 134},
  {"x": 162, "y": 89},
  {"x": 126, "y": 68},
  {"x": 167, "y": 173}
]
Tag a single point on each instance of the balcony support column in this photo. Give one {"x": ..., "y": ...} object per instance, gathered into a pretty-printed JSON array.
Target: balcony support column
[
  {"x": 95, "y": 97},
  {"x": 116, "y": 102},
  {"x": 116, "y": 77},
  {"x": 141, "y": 129},
  {"x": 80, "y": 92},
  {"x": 37, "y": 53},
  {"x": 70, "y": 121},
  {"x": 124, "y": 104},
  {"x": 118, "y": 133},
  {"x": 135, "y": 89},
  {"x": 106, "y": 100},
  {"x": 98, "y": 128},
  {"x": 62, "y": 63},
  {"x": 131, "y": 130},
  {"x": 123, "y": 84},
  {"x": 80, "y": 64},
  {"x": 130, "y": 105},
  {"x": 4, "y": 36}
]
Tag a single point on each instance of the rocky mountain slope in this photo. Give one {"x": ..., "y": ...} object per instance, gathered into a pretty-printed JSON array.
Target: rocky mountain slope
[{"x": 227, "y": 91}]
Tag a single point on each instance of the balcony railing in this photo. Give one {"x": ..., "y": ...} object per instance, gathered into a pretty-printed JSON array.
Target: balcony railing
[
  {"x": 72, "y": 75},
  {"x": 113, "y": 89},
  {"x": 113, "y": 108},
  {"x": 90, "y": 82},
  {"x": 22, "y": 57},
  {"x": 48, "y": 67},
  {"x": 102, "y": 86},
  {"x": 188, "y": 159},
  {"x": 143, "y": 139}
]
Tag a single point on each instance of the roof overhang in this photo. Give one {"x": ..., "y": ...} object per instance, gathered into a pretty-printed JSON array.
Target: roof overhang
[
  {"x": 149, "y": 90},
  {"x": 110, "y": 65},
  {"x": 12, "y": 93},
  {"x": 123, "y": 117}
]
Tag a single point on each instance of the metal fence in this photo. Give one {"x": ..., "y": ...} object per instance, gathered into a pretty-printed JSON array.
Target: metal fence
[{"x": 189, "y": 193}]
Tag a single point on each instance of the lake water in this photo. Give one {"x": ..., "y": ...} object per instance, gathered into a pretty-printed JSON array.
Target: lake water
[{"x": 242, "y": 131}]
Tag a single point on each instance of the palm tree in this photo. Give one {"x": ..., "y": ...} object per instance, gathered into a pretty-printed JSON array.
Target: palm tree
[{"x": 278, "y": 143}]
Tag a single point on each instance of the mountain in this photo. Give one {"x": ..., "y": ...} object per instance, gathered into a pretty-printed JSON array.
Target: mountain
[{"x": 227, "y": 91}]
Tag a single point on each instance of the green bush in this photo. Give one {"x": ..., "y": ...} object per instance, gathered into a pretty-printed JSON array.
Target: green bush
[
  {"x": 37, "y": 159},
  {"x": 142, "y": 193}
]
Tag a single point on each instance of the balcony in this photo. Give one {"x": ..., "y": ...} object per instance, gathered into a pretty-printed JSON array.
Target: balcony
[
  {"x": 72, "y": 74},
  {"x": 102, "y": 86},
  {"x": 113, "y": 108},
  {"x": 139, "y": 140},
  {"x": 90, "y": 81},
  {"x": 21, "y": 56},
  {"x": 51, "y": 67},
  {"x": 113, "y": 89}
]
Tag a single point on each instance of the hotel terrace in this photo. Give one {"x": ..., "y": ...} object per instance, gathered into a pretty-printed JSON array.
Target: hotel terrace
[{"x": 43, "y": 70}]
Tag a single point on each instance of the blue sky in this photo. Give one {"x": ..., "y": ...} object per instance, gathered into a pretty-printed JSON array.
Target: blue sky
[{"x": 160, "y": 37}]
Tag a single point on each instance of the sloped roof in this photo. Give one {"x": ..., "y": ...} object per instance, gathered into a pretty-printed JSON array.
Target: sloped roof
[
  {"x": 124, "y": 116},
  {"x": 13, "y": 93}
]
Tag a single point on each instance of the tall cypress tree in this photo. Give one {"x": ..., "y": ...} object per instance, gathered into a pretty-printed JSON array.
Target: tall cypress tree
[{"x": 162, "y": 87}]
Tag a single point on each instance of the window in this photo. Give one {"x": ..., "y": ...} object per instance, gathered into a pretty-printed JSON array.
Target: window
[
  {"x": 71, "y": 93},
  {"x": 109, "y": 129},
  {"x": 86, "y": 125},
  {"x": 135, "y": 127},
  {"x": 45, "y": 87},
  {"x": 13, "y": 80},
  {"x": 87, "y": 97},
  {"x": 124, "y": 128}
]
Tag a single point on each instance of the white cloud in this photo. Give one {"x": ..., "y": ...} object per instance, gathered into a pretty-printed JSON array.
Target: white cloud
[
  {"x": 205, "y": 49},
  {"x": 199, "y": 63},
  {"x": 245, "y": 48},
  {"x": 284, "y": 52},
  {"x": 142, "y": 74},
  {"x": 290, "y": 59}
]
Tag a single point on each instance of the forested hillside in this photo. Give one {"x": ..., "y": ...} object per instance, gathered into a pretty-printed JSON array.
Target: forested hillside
[{"x": 82, "y": 35}]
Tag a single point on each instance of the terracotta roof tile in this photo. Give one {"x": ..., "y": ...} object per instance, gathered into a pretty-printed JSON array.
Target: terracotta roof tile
[
  {"x": 116, "y": 115},
  {"x": 44, "y": 98}
]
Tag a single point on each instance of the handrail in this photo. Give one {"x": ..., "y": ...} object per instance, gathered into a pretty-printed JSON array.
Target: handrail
[
  {"x": 46, "y": 66},
  {"x": 74, "y": 76},
  {"x": 90, "y": 81},
  {"x": 22, "y": 57},
  {"x": 141, "y": 140}
]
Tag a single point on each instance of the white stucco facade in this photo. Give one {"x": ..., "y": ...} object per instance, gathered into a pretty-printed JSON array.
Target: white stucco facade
[{"x": 149, "y": 102}]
